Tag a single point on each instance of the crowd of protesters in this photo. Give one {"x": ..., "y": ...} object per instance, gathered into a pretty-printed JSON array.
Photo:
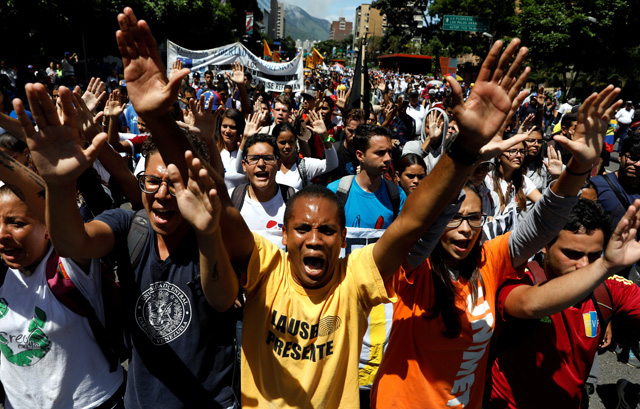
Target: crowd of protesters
[{"x": 202, "y": 232}]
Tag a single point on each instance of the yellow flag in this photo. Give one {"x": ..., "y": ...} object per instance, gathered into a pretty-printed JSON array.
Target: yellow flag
[{"x": 267, "y": 50}]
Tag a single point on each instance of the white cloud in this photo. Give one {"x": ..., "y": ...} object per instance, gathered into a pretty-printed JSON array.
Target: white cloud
[{"x": 329, "y": 10}]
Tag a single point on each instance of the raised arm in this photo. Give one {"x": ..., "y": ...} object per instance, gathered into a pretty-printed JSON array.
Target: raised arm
[
  {"x": 200, "y": 205},
  {"x": 57, "y": 150},
  {"x": 547, "y": 217},
  {"x": 559, "y": 293},
  {"x": 150, "y": 91},
  {"x": 238, "y": 79},
  {"x": 479, "y": 119}
]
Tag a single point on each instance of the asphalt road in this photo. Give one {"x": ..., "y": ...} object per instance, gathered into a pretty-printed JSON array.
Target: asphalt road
[{"x": 606, "y": 396}]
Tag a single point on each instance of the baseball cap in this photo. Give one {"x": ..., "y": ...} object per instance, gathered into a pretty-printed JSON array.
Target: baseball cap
[
  {"x": 216, "y": 100},
  {"x": 572, "y": 101}
]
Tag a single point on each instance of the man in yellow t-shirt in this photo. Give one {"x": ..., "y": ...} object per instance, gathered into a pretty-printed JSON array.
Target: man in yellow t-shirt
[{"x": 306, "y": 309}]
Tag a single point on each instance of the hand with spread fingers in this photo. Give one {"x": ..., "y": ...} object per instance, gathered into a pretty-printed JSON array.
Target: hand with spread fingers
[
  {"x": 199, "y": 118},
  {"x": 94, "y": 94},
  {"x": 317, "y": 124},
  {"x": 553, "y": 163},
  {"x": 494, "y": 93},
  {"x": 198, "y": 200},
  {"x": 150, "y": 91},
  {"x": 252, "y": 126},
  {"x": 238, "y": 74},
  {"x": 623, "y": 249},
  {"x": 594, "y": 116},
  {"x": 89, "y": 125},
  {"x": 56, "y": 148},
  {"x": 114, "y": 107}
]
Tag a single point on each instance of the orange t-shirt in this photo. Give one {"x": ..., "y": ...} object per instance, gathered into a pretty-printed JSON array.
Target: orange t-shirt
[{"x": 423, "y": 368}]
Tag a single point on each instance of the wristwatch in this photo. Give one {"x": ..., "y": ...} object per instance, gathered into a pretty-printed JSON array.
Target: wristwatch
[{"x": 458, "y": 154}]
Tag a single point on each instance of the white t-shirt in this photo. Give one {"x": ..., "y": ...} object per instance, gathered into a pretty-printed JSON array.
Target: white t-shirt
[
  {"x": 419, "y": 113},
  {"x": 50, "y": 358},
  {"x": 315, "y": 167},
  {"x": 527, "y": 187},
  {"x": 263, "y": 215},
  {"x": 231, "y": 176}
]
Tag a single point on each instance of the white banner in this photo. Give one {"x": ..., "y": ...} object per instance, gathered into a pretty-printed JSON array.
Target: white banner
[{"x": 273, "y": 75}]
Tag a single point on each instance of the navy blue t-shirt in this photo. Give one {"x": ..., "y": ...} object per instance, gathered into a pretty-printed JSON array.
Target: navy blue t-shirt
[{"x": 183, "y": 351}]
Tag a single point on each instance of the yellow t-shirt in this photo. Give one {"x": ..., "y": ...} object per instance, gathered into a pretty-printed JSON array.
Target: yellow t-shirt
[{"x": 300, "y": 347}]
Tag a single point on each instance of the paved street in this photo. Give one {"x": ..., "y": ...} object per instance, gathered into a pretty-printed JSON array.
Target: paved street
[{"x": 605, "y": 396}]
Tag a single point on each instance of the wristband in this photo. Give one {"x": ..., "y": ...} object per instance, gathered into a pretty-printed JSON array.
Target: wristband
[
  {"x": 569, "y": 171},
  {"x": 455, "y": 152},
  {"x": 329, "y": 138}
]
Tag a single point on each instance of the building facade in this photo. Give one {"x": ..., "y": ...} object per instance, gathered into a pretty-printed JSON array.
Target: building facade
[
  {"x": 368, "y": 20},
  {"x": 341, "y": 29},
  {"x": 276, "y": 21}
]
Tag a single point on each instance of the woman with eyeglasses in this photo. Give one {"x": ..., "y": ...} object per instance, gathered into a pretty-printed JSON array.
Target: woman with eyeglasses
[
  {"x": 542, "y": 171},
  {"x": 509, "y": 182}
]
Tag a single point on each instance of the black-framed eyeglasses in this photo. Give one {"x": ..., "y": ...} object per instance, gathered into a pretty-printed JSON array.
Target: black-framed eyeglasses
[
  {"x": 151, "y": 184},
  {"x": 475, "y": 220},
  {"x": 514, "y": 152},
  {"x": 254, "y": 159}
]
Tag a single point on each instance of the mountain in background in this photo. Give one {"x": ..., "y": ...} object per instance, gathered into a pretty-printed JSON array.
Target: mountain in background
[{"x": 301, "y": 25}]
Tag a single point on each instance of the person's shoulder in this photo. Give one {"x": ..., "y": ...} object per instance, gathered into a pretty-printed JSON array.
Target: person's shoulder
[{"x": 333, "y": 186}]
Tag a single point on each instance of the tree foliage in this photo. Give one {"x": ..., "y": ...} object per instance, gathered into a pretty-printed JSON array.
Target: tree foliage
[{"x": 576, "y": 44}]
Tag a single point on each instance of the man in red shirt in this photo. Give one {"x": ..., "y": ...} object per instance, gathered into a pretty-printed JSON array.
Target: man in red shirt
[{"x": 543, "y": 357}]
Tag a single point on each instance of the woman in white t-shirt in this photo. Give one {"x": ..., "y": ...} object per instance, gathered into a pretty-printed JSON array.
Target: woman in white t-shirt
[
  {"x": 509, "y": 182},
  {"x": 50, "y": 357},
  {"x": 295, "y": 171},
  {"x": 229, "y": 137}
]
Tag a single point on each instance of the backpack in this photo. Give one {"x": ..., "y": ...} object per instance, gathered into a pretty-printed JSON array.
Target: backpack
[
  {"x": 394, "y": 193},
  {"x": 237, "y": 197}
]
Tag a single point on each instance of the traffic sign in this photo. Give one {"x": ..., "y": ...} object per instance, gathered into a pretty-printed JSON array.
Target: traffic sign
[{"x": 465, "y": 23}]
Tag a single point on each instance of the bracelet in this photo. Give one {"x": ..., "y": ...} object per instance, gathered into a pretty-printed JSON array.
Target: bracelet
[
  {"x": 569, "y": 171},
  {"x": 329, "y": 138}
]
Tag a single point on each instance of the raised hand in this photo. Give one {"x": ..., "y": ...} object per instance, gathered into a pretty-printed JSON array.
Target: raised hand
[
  {"x": 483, "y": 113},
  {"x": 176, "y": 69},
  {"x": 623, "y": 249},
  {"x": 150, "y": 92},
  {"x": 114, "y": 108},
  {"x": 553, "y": 163},
  {"x": 594, "y": 116},
  {"x": 57, "y": 147},
  {"x": 526, "y": 124},
  {"x": 252, "y": 126},
  {"x": 238, "y": 73},
  {"x": 317, "y": 124},
  {"x": 198, "y": 201},
  {"x": 343, "y": 97},
  {"x": 87, "y": 123},
  {"x": 436, "y": 125},
  {"x": 200, "y": 120},
  {"x": 94, "y": 94}
]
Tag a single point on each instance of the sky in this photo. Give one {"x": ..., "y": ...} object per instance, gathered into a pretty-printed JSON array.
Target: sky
[{"x": 329, "y": 9}]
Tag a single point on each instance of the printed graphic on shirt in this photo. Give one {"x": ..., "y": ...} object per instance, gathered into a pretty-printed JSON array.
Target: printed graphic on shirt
[
  {"x": 590, "y": 320},
  {"x": 27, "y": 348},
  {"x": 314, "y": 349},
  {"x": 163, "y": 312},
  {"x": 482, "y": 325}
]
